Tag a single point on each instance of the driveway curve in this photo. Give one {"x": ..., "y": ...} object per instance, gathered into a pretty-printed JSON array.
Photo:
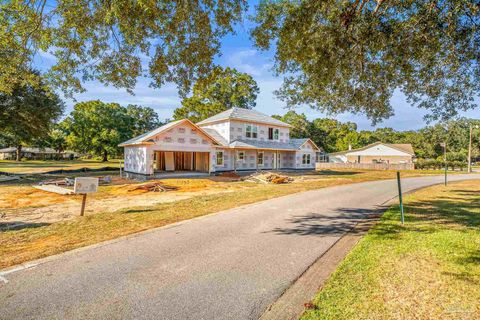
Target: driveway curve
[{"x": 229, "y": 265}]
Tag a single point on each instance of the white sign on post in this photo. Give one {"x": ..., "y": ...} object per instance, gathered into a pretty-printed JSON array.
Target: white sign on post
[{"x": 85, "y": 185}]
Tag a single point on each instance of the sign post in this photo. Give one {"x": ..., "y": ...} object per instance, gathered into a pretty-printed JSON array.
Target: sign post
[
  {"x": 83, "y": 186},
  {"x": 400, "y": 196}
]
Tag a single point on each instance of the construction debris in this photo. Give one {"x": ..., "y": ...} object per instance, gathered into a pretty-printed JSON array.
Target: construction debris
[
  {"x": 268, "y": 177},
  {"x": 54, "y": 189},
  {"x": 59, "y": 182},
  {"x": 153, "y": 187}
]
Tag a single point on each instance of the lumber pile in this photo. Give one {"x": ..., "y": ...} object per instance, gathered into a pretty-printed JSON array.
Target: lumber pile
[
  {"x": 269, "y": 177},
  {"x": 153, "y": 187},
  {"x": 68, "y": 182}
]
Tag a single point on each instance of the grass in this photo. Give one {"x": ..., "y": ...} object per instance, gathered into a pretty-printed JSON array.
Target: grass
[
  {"x": 41, "y": 166},
  {"x": 429, "y": 268},
  {"x": 40, "y": 240}
]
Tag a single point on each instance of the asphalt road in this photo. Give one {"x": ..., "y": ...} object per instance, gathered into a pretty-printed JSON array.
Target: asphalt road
[{"x": 229, "y": 265}]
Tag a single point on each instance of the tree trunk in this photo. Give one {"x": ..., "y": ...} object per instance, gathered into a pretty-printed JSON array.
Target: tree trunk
[
  {"x": 105, "y": 156},
  {"x": 19, "y": 153}
]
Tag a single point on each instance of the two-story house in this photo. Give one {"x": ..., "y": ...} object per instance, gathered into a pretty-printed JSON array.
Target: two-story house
[{"x": 236, "y": 139}]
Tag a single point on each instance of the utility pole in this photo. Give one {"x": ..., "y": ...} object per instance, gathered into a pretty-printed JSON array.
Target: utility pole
[
  {"x": 445, "y": 159},
  {"x": 470, "y": 151},
  {"x": 470, "y": 148}
]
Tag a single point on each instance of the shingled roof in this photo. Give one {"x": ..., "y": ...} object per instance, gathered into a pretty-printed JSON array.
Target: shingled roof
[{"x": 243, "y": 115}]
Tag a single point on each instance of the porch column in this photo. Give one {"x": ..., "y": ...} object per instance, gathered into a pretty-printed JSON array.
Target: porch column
[
  {"x": 234, "y": 160},
  {"x": 256, "y": 159}
]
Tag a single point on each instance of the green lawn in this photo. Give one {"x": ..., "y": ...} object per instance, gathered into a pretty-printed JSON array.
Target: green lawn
[
  {"x": 40, "y": 166},
  {"x": 428, "y": 268}
]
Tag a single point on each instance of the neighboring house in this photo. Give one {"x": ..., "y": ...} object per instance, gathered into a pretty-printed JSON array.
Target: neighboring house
[
  {"x": 36, "y": 154},
  {"x": 236, "y": 139},
  {"x": 376, "y": 153}
]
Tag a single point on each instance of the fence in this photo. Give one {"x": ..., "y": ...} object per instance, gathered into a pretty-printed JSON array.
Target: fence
[{"x": 371, "y": 166}]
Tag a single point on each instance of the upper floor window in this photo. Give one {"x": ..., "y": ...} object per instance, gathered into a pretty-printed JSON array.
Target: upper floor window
[
  {"x": 273, "y": 133},
  {"x": 251, "y": 131}
]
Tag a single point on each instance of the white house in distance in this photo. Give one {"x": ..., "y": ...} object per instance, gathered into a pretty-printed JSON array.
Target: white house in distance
[
  {"x": 236, "y": 139},
  {"x": 377, "y": 152}
]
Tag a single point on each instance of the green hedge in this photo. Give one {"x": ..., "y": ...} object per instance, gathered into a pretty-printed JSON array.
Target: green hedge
[{"x": 430, "y": 164}]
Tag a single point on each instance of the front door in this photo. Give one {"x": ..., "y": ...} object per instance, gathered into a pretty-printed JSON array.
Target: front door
[{"x": 276, "y": 161}]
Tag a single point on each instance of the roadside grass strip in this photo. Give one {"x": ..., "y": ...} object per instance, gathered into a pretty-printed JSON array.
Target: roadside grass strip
[{"x": 429, "y": 268}]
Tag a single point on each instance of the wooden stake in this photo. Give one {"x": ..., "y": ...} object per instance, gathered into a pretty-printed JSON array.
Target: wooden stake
[{"x": 84, "y": 200}]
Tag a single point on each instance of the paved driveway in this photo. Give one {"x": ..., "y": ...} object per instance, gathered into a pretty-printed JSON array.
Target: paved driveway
[{"x": 230, "y": 265}]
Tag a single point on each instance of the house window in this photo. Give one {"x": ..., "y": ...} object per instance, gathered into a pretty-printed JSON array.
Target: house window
[
  {"x": 275, "y": 134},
  {"x": 270, "y": 133},
  {"x": 251, "y": 131},
  {"x": 241, "y": 156},
  {"x": 260, "y": 158},
  {"x": 219, "y": 158},
  {"x": 306, "y": 158}
]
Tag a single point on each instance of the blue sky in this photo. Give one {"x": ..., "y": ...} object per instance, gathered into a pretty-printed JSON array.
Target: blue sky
[{"x": 238, "y": 52}]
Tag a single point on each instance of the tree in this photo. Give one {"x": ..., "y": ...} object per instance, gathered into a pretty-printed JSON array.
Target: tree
[
  {"x": 343, "y": 56},
  {"x": 299, "y": 122},
  {"x": 144, "y": 119},
  {"x": 221, "y": 90},
  {"x": 27, "y": 114},
  {"x": 98, "y": 128},
  {"x": 111, "y": 41}
]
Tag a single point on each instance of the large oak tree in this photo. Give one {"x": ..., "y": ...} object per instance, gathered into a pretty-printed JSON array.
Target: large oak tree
[
  {"x": 222, "y": 89},
  {"x": 113, "y": 41},
  {"x": 351, "y": 55}
]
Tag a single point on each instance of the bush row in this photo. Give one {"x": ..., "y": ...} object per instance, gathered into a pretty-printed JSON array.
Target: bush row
[{"x": 423, "y": 164}]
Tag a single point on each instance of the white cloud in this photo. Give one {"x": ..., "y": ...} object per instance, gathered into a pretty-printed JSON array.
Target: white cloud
[{"x": 248, "y": 61}]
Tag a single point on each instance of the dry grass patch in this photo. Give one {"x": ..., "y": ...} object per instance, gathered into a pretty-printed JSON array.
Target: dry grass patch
[{"x": 428, "y": 268}]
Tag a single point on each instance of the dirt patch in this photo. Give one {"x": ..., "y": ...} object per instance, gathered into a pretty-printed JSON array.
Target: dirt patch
[{"x": 25, "y": 204}]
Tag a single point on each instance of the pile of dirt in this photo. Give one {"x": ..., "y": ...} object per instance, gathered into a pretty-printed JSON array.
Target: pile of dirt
[{"x": 268, "y": 177}]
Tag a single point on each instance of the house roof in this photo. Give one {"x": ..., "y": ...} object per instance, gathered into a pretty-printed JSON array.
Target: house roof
[
  {"x": 243, "y": 115},
  {"x": 404, "y": 147},
  {"x": 292, "y": 144},
  {"x": 143, "y": 138},
  {"x": 214, "y": 133}
]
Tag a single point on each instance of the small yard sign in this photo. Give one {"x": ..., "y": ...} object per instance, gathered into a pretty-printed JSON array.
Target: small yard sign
[{"x": 84, "y": 185}]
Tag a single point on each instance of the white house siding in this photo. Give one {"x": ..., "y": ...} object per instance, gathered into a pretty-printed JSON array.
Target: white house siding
[
  {"x": 237, "y": 131},
  {"x": 182, "y": 138},
  {"x": 223, "y": 128},
  {"x": 138, "y": 160},
  {"x": 378, "y": 150},
  {"x": 228, "y": 157},
  {"x": 307, "y": 148}
]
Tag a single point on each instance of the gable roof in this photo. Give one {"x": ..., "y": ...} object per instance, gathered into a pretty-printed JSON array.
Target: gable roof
[
  {"x": 244, "y": 115},
  {"x": 143, "y": 138},
  {"x": 403, "y": 147}
]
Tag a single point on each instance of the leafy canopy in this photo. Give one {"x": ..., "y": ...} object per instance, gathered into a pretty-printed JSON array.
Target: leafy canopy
[
  {"x": 352, "y": 55},
  {"x": 220, "y": 90},
  {"x": 107, "y": 40},
  {"x": 28, "y": 114},
  {"x": 97, "y": 128}
]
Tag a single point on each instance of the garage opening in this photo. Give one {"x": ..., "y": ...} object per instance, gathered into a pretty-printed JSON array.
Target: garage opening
[{"x": 181, "y": 161}]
